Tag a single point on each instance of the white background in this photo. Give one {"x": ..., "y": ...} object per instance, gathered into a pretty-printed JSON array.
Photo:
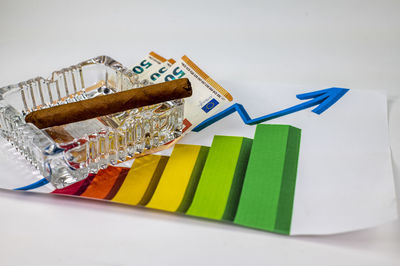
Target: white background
[{"x": 317, "y": 44}]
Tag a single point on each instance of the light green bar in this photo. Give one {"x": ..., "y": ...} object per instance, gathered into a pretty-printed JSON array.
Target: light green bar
[{"x": 220, "y": 183}]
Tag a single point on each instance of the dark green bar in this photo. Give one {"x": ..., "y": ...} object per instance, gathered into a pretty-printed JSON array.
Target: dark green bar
[{"x": 266, "y": 201}]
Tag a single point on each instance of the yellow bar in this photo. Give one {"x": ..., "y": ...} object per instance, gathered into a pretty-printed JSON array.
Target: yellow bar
[
  {"x": 141, "y": 180},
  {"x": 179, "y": 180}
]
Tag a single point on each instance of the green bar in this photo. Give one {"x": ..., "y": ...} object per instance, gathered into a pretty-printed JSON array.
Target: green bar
[
  {"x": 194, "y": 179},
  {"x": 220, "y": 183},
  {"x": 267, "y": 195}
]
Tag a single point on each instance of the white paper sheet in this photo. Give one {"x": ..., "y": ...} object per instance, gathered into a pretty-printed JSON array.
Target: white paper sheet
[{"x": 345, "y": 179}]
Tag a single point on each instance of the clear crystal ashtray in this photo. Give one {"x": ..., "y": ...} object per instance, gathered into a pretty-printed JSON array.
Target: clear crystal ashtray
[{"x": 67, "y": 153}]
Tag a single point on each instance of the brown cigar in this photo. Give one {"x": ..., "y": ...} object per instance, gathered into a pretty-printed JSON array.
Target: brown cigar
[{"x": 110, "y": 104}]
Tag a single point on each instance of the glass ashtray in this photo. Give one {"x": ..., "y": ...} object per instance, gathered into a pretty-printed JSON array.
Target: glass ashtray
[{"x": 68, "y": 153}]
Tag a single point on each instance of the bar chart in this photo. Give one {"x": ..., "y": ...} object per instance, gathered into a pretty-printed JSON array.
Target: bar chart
[{"x": 238, "y": 180}]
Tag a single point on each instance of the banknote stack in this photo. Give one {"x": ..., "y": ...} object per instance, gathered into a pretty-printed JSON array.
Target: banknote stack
[{"x": 208, "y": 96}]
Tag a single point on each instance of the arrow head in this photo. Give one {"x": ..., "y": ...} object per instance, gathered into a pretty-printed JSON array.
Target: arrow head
[{"x": 324, "y": 98}]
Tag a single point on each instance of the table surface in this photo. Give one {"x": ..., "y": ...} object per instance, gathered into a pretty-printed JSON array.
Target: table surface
[{"x": 353, "y": 44}]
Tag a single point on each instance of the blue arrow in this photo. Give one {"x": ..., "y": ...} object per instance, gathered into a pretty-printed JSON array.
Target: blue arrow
[
  {"x": 37, "y": 184},
  {"x": 323, "y": 98}
]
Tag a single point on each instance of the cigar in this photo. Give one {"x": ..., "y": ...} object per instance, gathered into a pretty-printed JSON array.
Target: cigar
[{"x": 110, "y": 104}]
